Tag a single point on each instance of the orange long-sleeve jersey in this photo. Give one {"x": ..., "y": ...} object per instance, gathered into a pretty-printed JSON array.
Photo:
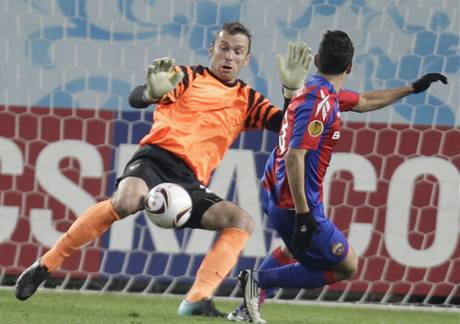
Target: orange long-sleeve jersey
[{"x": 202, "y": 116}]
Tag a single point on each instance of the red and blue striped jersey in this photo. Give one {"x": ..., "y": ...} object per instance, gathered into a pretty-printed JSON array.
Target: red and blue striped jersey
[{"x": 311, "y": 122}]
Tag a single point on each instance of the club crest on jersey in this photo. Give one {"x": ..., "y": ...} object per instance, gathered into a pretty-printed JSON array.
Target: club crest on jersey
[
  {"x": 337, "y": 249},
  {"x": 315, "y": 128}
]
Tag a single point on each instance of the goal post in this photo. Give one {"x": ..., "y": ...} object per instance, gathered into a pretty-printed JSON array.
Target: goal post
[{"x": 66, "y": 132}]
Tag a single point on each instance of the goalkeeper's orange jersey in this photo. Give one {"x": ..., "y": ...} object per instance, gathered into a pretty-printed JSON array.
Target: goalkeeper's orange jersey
[{"x": 202, "y": 116}]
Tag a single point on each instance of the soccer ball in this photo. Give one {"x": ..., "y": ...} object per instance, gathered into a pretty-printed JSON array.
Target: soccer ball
[{"x": 168, "y": 205}]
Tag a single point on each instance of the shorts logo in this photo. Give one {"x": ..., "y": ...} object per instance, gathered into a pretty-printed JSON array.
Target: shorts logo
[
  {"x": 337, "y": 249},
  {"x": 206, "y": 189},
  {"x": 133, "y": 166},
  {"x": 315, "y": 128}
]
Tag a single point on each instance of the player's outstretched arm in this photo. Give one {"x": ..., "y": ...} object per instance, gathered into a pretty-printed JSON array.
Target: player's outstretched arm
[
  {"x": 377, "y": 99},
  {"x": 293, "y": 68},
  {"x": 161, "y": 78}
]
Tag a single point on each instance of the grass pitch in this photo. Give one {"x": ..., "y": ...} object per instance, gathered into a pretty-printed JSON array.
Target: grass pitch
[{"x": 64, "y": 307}]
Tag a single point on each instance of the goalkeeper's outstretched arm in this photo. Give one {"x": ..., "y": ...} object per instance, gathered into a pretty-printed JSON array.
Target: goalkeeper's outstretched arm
[
  {"x": 161, "y": 78},
  {"x": 136, "y": 97}
]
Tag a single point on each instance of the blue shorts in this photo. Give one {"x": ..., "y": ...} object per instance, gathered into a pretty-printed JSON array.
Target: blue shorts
[{"x": 329, "y": 247}]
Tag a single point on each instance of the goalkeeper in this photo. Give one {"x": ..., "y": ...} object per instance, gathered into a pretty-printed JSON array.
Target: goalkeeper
[
  {"x": 200, "y": 112},
  {"x": 316, "y": 253}
]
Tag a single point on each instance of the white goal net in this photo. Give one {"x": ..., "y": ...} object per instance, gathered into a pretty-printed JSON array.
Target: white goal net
[{"x": 66, "y": 131}]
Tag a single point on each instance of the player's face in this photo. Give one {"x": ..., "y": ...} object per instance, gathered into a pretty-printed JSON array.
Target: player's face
[{"x": 228, "y": 55}]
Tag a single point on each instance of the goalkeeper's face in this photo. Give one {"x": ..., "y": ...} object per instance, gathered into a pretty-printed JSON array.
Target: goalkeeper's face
[{"x": 229, "y": 53}]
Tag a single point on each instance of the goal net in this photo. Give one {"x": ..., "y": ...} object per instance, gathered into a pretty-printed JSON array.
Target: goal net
[{"x": 66, "y": 132}]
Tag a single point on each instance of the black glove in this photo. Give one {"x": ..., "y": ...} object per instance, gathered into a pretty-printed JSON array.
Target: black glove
[
  {"x": 305, "y": 227},
  {"x": 425, "y": 81}
]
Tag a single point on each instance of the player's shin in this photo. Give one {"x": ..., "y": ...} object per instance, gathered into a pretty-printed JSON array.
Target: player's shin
[
  {"x": 276, "y": 258},
  {"x": 217, "y": 263},
  {"x": 91, "y": 224},
  {"x": 295, "y": 276}
]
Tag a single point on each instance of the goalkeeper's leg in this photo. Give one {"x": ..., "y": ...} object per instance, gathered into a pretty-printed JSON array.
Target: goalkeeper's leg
[
  {"x": 90, "y": 225},
  {"x": 235, "y": 227}
]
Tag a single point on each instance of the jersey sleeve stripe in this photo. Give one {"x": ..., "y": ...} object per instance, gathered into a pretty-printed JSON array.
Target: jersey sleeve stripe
[
  {"x": 265, "y": 116},
  {"x": 248, "y": 123},
  {"x": 254, "y": 111},
  {"x": 197, "y": 69},
  {"x": 251, "y": 97},
  {"x": 185, "y": 79}
]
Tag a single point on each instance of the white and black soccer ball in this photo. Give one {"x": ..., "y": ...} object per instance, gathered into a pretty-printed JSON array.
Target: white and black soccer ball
[{"x": 168, "y": 205}]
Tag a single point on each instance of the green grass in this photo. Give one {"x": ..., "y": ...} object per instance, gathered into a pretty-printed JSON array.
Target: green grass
[{"x": 56, "y": 307}]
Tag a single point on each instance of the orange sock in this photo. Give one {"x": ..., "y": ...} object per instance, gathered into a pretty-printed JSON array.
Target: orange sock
[
  {"x": 91, "y": 224},
  {"x": 217, "y": 263}
]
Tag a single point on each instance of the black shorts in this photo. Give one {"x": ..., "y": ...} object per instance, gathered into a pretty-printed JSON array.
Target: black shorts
[{"x": 155, "y": 165}]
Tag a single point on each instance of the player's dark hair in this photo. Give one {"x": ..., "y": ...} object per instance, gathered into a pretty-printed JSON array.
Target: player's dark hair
[
  {"x": 335, "y": 52},
  {"x": 234, "y": 28}
]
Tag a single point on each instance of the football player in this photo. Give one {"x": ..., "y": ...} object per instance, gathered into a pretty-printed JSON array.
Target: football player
[
  {"x": 316, "y": 253},
  {"x": 200, "y": 112}
]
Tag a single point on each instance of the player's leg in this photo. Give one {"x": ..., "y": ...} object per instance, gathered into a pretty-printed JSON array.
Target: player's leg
[
  {"x": 329, "y": 260},
  {"x": 90, "y": 225},
  {"x": 348, "y": 267},
  {"x": 126, "y": 200},
  {"x": 235, "y": 227},
  {"x": 303, "y": 276},
  {"x": 96, "y": 220},
  {"x": 253, "y": 295},
  {"x": 277, "y": 258}
]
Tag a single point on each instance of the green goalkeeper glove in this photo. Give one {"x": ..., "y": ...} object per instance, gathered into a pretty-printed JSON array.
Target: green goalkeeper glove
[
  {"x": 161, "y": 78},
  {"x": 294, "y": 69}
]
